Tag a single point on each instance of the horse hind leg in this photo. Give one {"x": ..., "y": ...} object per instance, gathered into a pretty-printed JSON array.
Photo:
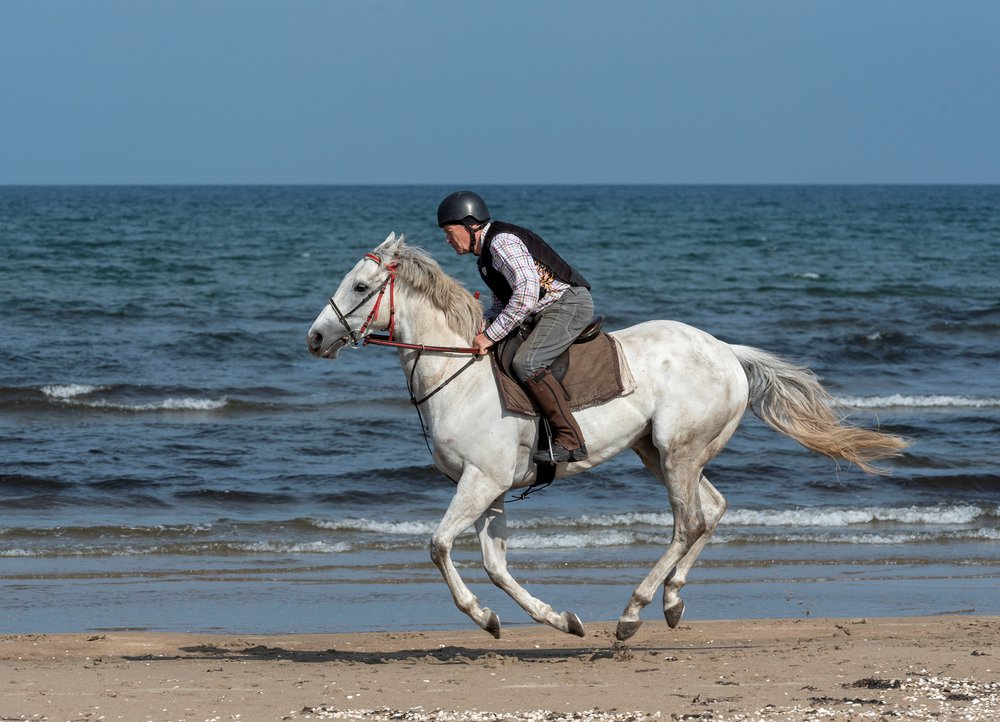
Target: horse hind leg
[
  {"x": 491, "y": 528},
  {"x": 683, "y": 482},
  {"x": 714, "y": 505}
]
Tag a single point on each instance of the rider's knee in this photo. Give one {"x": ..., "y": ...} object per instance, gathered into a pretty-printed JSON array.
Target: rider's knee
[{"x": 522, "y": 367}]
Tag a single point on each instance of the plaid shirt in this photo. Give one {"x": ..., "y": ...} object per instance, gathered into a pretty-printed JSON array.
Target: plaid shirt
[{"x": 527, "y": 277}]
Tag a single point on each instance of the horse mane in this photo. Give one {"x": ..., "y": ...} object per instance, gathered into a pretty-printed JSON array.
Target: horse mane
[{"x": 422, "y": 275}]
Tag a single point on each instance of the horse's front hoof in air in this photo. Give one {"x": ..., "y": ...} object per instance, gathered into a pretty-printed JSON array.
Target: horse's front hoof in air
[
  {"x": 674, "y": 614},
  {"x": 574, "y": 625},
  {"x": 492, "y": 623}
]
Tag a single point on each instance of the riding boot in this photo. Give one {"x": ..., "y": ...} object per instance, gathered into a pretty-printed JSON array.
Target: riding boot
[{"x": 567, "y": 439}]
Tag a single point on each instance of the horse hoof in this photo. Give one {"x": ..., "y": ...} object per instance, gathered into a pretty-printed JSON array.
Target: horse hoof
[
  {"x": 574, "y": 625},
  {"x": 492, "y": 624},
  {"x": 626, "y": 630},
  {"x": 674, "y": 614}
]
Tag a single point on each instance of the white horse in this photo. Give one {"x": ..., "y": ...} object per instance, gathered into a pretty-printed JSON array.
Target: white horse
[{"x": 691, "y": 393}]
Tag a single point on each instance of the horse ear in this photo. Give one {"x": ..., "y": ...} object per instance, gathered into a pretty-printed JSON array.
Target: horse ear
[{"x": 391, "y": 243}]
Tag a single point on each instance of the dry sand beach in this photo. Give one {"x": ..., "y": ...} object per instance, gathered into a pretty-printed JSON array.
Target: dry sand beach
[{"x": 944, "y": 668}]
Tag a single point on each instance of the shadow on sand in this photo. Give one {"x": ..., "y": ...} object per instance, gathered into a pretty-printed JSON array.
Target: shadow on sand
[{"x": 439, "y": 655}]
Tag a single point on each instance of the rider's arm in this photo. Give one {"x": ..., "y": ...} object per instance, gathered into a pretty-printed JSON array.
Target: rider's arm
[
  {"x": 511, "y": 258},
  {"x": 496, "y": 306}
]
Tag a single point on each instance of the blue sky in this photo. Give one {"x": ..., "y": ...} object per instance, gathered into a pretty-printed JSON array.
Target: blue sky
[{"x": 464, "y": 92}]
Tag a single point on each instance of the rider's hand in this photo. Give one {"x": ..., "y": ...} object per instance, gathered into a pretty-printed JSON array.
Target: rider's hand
[{"x": 482, "y": 342}]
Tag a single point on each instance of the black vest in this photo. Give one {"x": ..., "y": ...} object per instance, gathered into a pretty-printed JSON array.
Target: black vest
[{"x": 539, "y": 249}]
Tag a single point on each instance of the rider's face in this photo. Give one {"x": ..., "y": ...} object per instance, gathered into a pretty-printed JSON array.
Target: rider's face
[{"x": 457, "y": 237}]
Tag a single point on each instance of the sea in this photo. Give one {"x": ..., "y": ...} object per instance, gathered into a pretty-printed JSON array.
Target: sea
[{"x": 172, "y": 457}]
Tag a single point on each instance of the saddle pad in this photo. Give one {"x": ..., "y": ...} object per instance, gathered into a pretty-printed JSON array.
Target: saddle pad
[{"x": 597, "y": 373}]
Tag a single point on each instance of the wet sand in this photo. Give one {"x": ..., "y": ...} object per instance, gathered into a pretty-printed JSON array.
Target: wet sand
[{"x": 945, "y": 668}]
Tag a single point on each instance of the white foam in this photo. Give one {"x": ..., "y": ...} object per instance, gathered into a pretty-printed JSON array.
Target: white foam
[
  {"x": 921, "y": 402},
  {"x": 125, "y": 551},
  {"x": 74, "y": 394},
  {"x": 803, "y": 517},
  {"x": 315, "y": 547},
  {"x": 657, "y": 519},
  {"x": 188, "y": 404},
  {"x": 848, "y": 525},
  {"x": 845, "y": 516},
  {"x": 605, "y": 538},
  {"x": 872, "y": 538},
  {"x": 556, "y": 540},
  {"x": 19, "y": 553},
  {"x": 405, "y": 528},
  {"x": 875, "y": 539},
  {"x": 69, "y": 391},
  {"x": 261, "y": 547}
]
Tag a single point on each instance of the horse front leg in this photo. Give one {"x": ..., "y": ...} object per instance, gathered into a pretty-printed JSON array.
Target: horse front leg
[
  {"x": 472, "y": 497},
  {"x": 492, "y": 530}
]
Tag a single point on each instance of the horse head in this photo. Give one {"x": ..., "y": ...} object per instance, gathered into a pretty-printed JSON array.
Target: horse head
[{"x": 354, "y": 309}]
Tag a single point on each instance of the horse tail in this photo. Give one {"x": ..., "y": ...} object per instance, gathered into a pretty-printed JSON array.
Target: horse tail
[{"x": 790, "y": 399}]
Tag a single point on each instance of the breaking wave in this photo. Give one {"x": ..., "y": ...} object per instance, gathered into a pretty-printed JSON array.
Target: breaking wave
[
  {"x": 940, "y": 515},
  {"x": 918, "y": 402}
]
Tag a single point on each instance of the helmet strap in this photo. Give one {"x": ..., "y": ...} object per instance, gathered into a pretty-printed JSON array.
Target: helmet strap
[{"x": 472, "y": 237}]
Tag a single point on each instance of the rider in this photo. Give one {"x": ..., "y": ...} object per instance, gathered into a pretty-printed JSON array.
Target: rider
[{"x": 528, "y": 279}]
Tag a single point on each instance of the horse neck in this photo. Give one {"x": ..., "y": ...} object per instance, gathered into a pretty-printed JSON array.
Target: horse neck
[
  {"x": 452, "y": 388},
  {"x": 419, "y": 322},
  {"x": 425, "y": 324}
]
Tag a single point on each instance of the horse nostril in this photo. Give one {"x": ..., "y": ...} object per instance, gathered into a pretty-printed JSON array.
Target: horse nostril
[{"x": 315, "y": 340}]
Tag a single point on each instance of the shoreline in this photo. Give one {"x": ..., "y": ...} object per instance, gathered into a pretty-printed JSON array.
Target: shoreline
[
  {"x": 725, "y": 671},
  {"x": 391, "y": 591}
]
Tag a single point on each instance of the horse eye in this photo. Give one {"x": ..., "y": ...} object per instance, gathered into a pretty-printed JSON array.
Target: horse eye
[{"x": 360, "y": 287}]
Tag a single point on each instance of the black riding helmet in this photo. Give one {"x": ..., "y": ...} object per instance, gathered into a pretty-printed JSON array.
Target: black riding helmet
[{"x": 463, "y": 207}]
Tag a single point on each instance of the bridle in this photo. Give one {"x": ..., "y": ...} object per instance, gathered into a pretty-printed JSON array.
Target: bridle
[{"x": 363, "y": 336}]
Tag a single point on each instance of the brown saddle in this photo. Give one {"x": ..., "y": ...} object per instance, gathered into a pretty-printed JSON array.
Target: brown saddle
[{"x": 591, "y": 370}]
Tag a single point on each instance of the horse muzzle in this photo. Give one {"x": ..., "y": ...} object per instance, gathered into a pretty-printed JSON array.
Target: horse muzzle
[{"x": 318, "y": 346}]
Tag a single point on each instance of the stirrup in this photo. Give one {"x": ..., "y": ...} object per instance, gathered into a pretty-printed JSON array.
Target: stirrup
[{"x": 557, "y": 454}]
